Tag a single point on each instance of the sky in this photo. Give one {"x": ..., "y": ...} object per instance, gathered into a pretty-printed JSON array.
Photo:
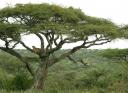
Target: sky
[{"x": 114, "y": 10}]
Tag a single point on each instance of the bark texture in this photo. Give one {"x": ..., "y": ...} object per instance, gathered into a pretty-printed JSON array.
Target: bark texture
[{"x": 41, "y": 75}]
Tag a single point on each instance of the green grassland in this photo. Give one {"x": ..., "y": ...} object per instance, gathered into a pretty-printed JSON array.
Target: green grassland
[{"x": 100, "y": 75}]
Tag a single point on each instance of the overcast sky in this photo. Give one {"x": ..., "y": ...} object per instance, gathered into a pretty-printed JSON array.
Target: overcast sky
[{"x": 115, "y": 10}]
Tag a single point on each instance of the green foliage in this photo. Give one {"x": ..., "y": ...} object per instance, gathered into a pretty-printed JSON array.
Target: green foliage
[
  {"x": 35, "y": 18},
  {"x": 9, "y": 63},
  {"x": 9, "y": 31},
  {"x": 13, "y": 75},
  {"x": 21, "y": 81},
  {"x": 43, "y": 12},
  {"x": 124, "y": 30},
  {"x": 5, "y": 79},
  {"x": 51, "y": 21},
  {"x": 119, "y": 54},
  {"x": 99, "y": 76}
]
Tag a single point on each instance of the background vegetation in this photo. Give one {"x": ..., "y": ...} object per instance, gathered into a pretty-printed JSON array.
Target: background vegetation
[{"x": 100, "y": 75}]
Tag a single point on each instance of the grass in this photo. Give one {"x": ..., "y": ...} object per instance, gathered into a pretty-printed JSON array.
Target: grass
[{"x": 101, "y": 75}]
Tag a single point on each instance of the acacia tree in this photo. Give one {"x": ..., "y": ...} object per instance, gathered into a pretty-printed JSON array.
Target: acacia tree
[{"x": 57, "y": 26}]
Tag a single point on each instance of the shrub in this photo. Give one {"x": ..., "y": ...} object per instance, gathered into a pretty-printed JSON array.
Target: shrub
[{"x": 21, "y": 81}]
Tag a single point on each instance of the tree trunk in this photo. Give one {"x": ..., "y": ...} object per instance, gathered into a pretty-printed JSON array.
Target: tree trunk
[{"x": 41, "y": 75}]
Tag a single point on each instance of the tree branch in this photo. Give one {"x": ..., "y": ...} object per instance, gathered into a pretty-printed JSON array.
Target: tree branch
[
  {"x": 24, "y": 45},
  {"x": 89, "y": 44},
  {"x": 14, "y": 53},
  {"x": 73, "y": 60},
  {"x": 55, "y": 40},
  {"x": 41, "y": 40},
  {"x": 50, "y": 39},
  {"x": 67, "y": 54},
  {"x": 14, "y": 45}
]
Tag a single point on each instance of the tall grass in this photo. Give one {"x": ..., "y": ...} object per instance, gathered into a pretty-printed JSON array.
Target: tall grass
[{"x": 101, "y": 75}]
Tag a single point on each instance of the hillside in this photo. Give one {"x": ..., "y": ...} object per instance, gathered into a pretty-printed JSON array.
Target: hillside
[{"x": 100, "y": 75}]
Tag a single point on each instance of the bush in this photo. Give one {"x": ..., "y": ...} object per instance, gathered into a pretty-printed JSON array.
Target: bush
[
  {"x": 94, "y": 77},
  {"x": 21, "y": 82}
]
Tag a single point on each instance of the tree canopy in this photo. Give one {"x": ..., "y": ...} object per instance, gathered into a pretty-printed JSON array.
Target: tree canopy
[{"x": 35, "y": 18}]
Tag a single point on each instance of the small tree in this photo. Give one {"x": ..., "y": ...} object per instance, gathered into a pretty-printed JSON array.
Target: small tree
[{"x": 57, "y": 26}]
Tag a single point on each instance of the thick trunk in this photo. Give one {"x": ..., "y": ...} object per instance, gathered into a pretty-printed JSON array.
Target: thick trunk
[{"x": 41, "y": 76}]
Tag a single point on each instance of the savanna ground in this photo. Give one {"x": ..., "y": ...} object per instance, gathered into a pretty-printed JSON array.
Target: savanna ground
[{"x": 100, "y": 75}]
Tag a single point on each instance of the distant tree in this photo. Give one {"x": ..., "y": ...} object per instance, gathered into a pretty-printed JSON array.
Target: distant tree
[
  {"x": 57, "y": 26},
  {"x": 116, "y": 54}
]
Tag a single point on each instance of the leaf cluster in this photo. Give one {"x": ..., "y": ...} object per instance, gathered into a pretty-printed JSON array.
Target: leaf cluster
[
  {"x": 115, "y": 54},
  {"x": 9, "y": 31},
  {"x": 35, "y": 18}
]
